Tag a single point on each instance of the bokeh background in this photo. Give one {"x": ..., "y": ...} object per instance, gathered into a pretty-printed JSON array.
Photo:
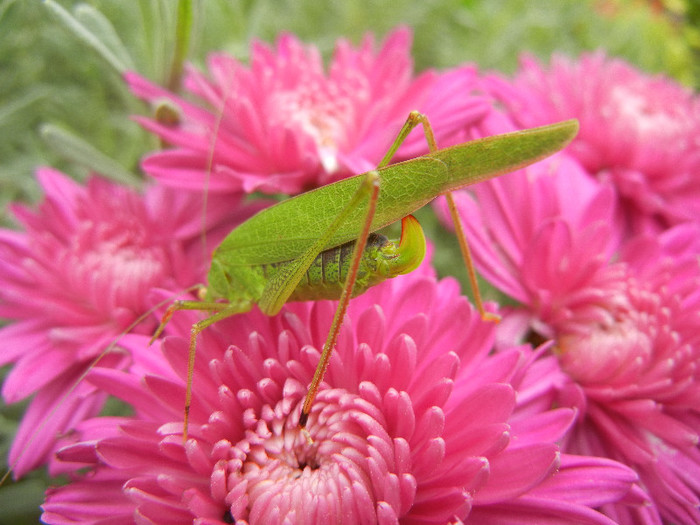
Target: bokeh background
[{"x": 63, "y": 102}]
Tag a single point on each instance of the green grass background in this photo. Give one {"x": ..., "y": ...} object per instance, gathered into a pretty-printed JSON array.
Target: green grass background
[{"x": 63, "y": 103}]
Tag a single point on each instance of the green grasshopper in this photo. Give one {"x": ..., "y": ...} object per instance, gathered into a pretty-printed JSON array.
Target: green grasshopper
[{"x": 279, "y": 255}]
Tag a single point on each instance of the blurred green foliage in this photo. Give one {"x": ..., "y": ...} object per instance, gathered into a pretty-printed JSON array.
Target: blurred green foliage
[
  {"x": 54, "y": 77},
  {"x": 686, "y": 14},
  {"x": 63, "y": 103}
]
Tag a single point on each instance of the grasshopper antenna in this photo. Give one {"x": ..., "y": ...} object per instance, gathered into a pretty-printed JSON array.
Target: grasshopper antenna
[{"x": 210, "y": 162}]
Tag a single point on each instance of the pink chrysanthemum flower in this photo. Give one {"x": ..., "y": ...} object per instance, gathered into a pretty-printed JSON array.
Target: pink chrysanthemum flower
[
  {"x": 284, "y": 125},
  {"x": 79, "y": 275},
  {"x": 624, "y": 314},
  {"x": 637, "y": 131},
  {"x": 416, "y": 423}
]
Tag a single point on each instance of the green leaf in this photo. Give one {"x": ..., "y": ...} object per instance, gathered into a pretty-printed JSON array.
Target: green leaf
[
  {"x": 88, "y": 36},
  {"x": 98, "y": 24},
  {"x": 78, "y": 150}
]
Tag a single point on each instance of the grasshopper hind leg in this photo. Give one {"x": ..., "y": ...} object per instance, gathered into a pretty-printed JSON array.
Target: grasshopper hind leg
[{"x": 415, "y": 119}]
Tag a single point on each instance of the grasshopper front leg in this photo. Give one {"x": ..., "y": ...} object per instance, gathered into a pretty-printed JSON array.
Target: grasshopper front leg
[{"x": 221, "y": 311}]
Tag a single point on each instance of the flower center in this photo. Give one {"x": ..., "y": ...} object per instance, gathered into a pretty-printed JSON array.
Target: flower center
[
  {"x": 280, "y": 452},
  {"x": 607, "y": 352},
  {"x": 658, "y": 120},
  {"x": 110, "y": 265},
  {"x": 613, "y": 341},
  {"x": 285, "y": 475},
  {"x": 320, "y": 111}
]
